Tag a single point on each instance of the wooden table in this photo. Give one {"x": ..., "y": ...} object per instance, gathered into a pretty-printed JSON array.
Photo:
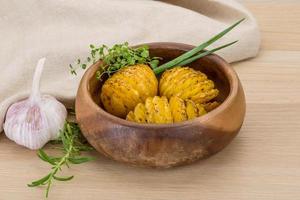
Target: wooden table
[{"x": 263, "y": 162}]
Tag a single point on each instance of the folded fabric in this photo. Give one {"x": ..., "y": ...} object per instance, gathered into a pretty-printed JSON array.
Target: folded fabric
[{"x": 62, "y": 31}]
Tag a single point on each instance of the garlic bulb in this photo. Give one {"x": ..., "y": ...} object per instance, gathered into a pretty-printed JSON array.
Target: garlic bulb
[{"x": 36, "y": 120}]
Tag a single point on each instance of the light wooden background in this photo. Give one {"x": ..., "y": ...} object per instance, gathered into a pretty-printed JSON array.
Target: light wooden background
[{"x": 263, "y": 162}]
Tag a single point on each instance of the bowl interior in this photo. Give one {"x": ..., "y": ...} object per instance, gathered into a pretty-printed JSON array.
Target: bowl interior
[{"x": 210, "y": 65}]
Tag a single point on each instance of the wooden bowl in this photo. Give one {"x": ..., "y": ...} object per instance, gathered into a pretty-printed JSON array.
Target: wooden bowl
[{"x": 169, "y": 144}]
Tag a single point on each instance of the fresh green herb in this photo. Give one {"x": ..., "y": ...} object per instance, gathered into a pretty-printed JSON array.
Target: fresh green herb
[
  {"x": 73, "y": 144},
  {"x": 188, "y": 55},
  {"x": 117, "y": 57},
  {"x": 121, "y": 55},
  {"x": 204, "y": 53}
]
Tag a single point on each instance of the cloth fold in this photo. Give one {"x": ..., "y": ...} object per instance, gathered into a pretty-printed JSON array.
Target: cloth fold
[{"x": 62, "y": 31}]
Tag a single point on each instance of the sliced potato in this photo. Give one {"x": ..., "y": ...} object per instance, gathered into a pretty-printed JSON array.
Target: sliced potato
[
  {"x": 178, "y": 109},
  {"x": 187, "y": 83},
  {"x": 158, "y": 110},
  {"x": 128, "y": 87}
]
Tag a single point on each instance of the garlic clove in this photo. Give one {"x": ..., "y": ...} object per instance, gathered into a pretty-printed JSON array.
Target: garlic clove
[{"x": 35, "y": 121}]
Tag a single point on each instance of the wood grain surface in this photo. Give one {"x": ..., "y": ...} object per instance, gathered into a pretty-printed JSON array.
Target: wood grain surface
[{"x": 263, "y": 162}]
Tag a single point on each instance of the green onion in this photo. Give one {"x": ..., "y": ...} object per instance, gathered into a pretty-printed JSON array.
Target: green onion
[
  {"x": 194, "y": 51},
  {"x": 196, "y": 57}
]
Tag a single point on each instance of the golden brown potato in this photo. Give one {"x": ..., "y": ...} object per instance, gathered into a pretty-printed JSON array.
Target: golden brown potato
[
  {"x": 158, "y": 110},
  {"x": 187, "y": 83},
  {"x": 126, "y": 88}
]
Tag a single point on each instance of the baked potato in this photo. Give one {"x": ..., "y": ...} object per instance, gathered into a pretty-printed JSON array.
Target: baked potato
[
  {"x": 158, "y": 110},
  {"x": 126, "y": 88},
  {"x": 187, "y": 83}
]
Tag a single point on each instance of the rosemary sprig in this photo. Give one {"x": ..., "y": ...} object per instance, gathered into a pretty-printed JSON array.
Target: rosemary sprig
[
  {"x": 115, "y": 58},
  {"x": 73, "y": 144}
]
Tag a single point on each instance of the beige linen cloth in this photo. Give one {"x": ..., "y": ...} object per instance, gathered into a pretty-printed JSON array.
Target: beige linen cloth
[{"x": 62, "y": 30}]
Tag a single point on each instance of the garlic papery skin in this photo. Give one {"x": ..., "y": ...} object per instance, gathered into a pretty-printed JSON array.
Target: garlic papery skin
[{"x": 35, "y": 121}]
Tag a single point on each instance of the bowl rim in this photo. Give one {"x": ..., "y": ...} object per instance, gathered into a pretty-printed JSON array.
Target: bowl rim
[{"x": 225, "y": 66}]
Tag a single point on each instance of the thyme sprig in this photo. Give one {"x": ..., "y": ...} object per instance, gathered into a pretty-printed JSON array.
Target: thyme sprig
[
  {"x": 115, "y": 58},
  {"x": 73, "y": 144}
]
